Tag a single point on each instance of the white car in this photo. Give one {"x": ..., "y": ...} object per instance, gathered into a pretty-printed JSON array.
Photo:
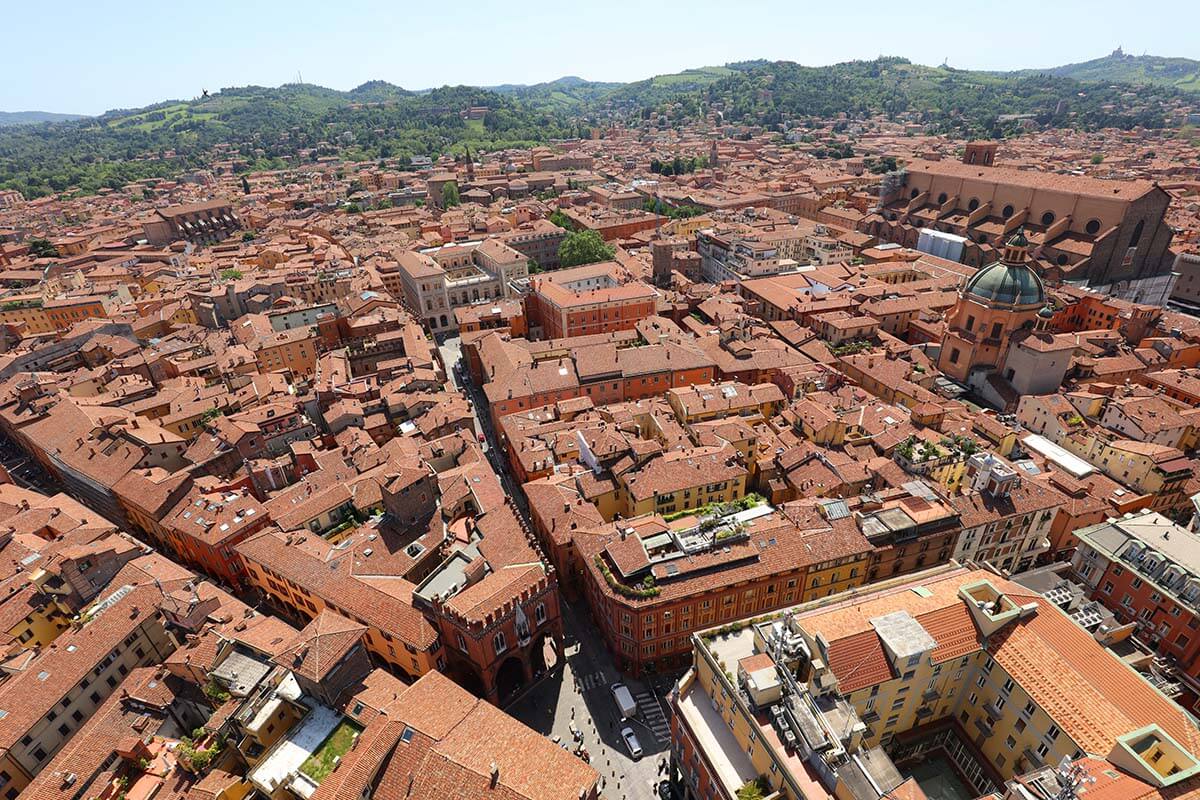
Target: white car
[{"x": 631, "y": 741}]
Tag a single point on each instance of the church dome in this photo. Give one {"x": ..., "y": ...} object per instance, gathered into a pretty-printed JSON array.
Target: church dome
[
  {"x": 1010, "y": 281},
  {"x": 1007, "y": 284}
]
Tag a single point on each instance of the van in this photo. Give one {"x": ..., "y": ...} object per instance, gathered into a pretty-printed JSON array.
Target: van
[{"x": 624, "y": 700}]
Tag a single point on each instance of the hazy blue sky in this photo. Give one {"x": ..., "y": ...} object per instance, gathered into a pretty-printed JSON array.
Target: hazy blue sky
[{"x": 84, "y": 56}]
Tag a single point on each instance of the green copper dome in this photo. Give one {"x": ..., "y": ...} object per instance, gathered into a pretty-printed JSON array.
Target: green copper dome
[{"x": 1007, "y": 284}]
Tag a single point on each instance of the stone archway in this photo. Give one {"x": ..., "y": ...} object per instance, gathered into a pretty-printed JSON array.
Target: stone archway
[
  {"x": 510, "y": 678},
  {"x": 467, "y": 677}
]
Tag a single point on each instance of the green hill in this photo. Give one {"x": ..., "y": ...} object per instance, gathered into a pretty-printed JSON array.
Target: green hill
[
  {"x": 1119, "y": 67},
  {"x": 261, "y": 127},
  {"x": 946, "y": 100},
  {"x": 34, "y": 117}
]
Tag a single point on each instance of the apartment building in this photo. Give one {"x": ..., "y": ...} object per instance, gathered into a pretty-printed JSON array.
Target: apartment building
[
  {"x": 302, "y": 573},
  {"x": 1146, "y": 570},
  {"x": 294, "y": 351},
  {"x": 61, "y": 313},
  {"x": 1005, "y": 517},
  {"x": 587, "y": 300},
  {"x": 727, "y": 256},
  {"x": 537, "y": 239},
  {"x": 953, "y": 667},
  {"x": 681, "y": 480},
  {"x": 205, "y": 527},
  {"x": 43, "y": 705},
  {"x": 651, "y": 583}
]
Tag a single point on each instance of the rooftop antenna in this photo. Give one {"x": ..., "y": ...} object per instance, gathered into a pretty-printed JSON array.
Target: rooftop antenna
[{"x": 1073, "y": 780}]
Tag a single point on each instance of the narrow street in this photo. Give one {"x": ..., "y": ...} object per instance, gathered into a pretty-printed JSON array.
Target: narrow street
[{"x": 578, "y": 696}]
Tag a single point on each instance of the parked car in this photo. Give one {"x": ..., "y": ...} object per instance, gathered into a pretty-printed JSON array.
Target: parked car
[{"x": 631, "y": 742}]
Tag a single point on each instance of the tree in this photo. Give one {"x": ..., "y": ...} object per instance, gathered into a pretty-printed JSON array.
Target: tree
[
  {"x": 245, "y": 185},
  {"x": 583, "y": 247},
  {"x": 753, "y": 790},
  {"x": 450, "y": 195},
  {"x": 249, "y": 236},
  {"x": 532, "y": 267},
  {"x": 560, "y": 219},
  {"x": 42, "y": 248},
  {"x": 1097, "y": 159},
  {"x": 231, "y": 274}
]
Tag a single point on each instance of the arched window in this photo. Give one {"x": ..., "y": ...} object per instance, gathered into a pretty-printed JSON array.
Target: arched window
[
  {"x": 1062, "y": 259},
  {"x": 943, "y": 197},
  {"x": 914, "y": 194},
  {"x": 974, "y": 204},
  {"x": 1093, "y": 227},
  {"x": 1048, "y": 218},
  {"x": 1137, "y": 233},
  {"x": 1007, "y": 212}
]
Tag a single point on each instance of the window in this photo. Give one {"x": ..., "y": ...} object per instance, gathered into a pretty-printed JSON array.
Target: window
[
  {"x": 954, "y": 354},
  {"x": 970, "y": 322},
  {"x": 1137, "y": 233},
  {"x": 1048, "y": 218},
  {"x": 1007, "y": 212},
  {"x": 499, "y": 643},
  {"x": 1093, "y": 227}
]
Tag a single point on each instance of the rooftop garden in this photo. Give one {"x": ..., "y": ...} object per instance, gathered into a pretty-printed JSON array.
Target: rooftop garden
[
  {"x": 14, "y": 305},
  {"x": 645, "y": 589},
  {"x": 326, "y": 757},
  {"x": 852, "y": 347},
  {"x": 749, "y": 501},
  {"x": 916, "y": 450}
]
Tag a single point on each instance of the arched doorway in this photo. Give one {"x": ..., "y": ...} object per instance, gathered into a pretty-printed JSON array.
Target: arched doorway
[{"x": 510, "y": 678}]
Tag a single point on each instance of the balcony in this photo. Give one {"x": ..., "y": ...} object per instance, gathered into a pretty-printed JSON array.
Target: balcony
[
  {"x": 983, "y": 726},
  {"x": 990, "y": 708}
]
